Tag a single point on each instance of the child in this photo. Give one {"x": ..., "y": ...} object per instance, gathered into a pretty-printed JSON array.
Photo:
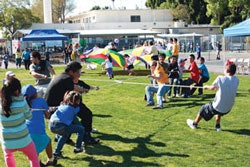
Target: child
[
  {"x": 109, "y": 67},
  {"x": 64, "y": 122},
  {"x": 14, "y": 134},
  {"x": 173, "y": 75},
  {"x": 162, "y": 79},
  {"x": 194, "y": 76},
  {"x": 36, "y": 124},
  {"x": 204, "y": 76},
  {"x": 226, "y": 87},
  {"x": 182, "y": 68},
  {"x": 130, "y": 60}
]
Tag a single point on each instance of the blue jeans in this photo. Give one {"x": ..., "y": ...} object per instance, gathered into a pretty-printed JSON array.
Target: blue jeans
[
  {"x": 173, "y": 81},
  {"x": 161, "y": 89},
  {"x": 74, "y": 127}
]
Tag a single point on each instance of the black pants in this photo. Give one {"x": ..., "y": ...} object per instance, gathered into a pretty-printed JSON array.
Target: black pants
[
  {"x": 186, "y": 90},
  {"x": 200, "y": 83},
  {"x": 26, "y": 64},
  {"x": 86, "y": 117}
]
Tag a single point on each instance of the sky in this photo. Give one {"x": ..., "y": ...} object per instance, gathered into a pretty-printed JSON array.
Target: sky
[{"x": 86, "y": 5}]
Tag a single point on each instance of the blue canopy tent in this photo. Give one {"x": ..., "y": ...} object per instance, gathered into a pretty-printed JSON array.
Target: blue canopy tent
[
  {"x": 44, "y": 35},
  {"x": 241, "y": 29}
]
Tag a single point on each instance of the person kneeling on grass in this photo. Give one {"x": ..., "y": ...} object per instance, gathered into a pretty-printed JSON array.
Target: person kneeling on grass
[
  {"x": 64, "y": 122},
  {"x": 223, "y": 102},
  {"x": 161, "y": 77}
]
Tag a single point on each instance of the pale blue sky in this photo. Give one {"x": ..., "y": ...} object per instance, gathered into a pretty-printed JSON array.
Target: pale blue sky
[{"x": 86, "y": 5}]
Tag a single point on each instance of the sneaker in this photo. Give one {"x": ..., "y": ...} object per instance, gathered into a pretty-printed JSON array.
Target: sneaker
[
  {"x": 58, "y": 155},
  {"x": 94, "y": 130},
  {"x": 51, "y": 163},
  {"x": 190, "y": 123},
  {"x": 158, "y": 107},
  {"x": 178, "y": 95},
  {"x": 149, "y": 104},
  {"x": 217, "y": 127},
  {"x": 92, "y": 140},
  {"x": 42, "y": 164},
  {"x": 79, "y": 150}
]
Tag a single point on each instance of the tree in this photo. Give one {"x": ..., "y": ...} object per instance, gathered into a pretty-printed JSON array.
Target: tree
[
  {"x": 153, "y": 4},
  {"x": 217, "y": 9},
  {"x": 14, "y": 16},
  {"x": 61, "y": 8},
  {"x": 37, "y": 10},
  {"x": 181, "y": 12}
]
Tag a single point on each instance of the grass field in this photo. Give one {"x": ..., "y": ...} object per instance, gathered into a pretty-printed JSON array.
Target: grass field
[{"x": 134, "y": 135}]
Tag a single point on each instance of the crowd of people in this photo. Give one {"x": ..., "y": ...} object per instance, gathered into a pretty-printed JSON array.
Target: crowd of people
[
  {"x": 62, "y": 104},
  {"x": 59, "y": 99}
]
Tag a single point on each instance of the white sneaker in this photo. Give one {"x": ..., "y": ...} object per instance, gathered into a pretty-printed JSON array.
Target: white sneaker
[
  {"x": 218, "y": 129},
  {"x": 190, "y": 124}
]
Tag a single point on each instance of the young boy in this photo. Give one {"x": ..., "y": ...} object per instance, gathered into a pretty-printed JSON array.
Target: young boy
[{"x": 223, "y": 102}]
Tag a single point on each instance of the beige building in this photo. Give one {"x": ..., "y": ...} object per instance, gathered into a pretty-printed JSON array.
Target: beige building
[{"x": 146, "y": 19}]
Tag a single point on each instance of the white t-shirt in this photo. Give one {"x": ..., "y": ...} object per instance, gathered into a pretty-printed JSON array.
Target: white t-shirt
[{"x": 225, "y": 95}]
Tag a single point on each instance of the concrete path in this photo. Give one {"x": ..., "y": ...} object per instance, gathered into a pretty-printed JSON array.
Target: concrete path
[{"x": 213, "y": 65}]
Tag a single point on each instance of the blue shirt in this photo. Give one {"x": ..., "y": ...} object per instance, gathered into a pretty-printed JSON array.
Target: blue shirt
[
  {"x": 26, "y": 55},
  {"x": 204, "y": 70},
  {"x": 65, "y": 114},
  {"x": 36, "y": 123}
]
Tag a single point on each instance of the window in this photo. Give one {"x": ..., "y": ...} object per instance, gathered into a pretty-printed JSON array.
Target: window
[{"x": 135, "y": 18}]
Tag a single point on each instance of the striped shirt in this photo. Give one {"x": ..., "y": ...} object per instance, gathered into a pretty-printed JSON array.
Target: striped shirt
[{"x": 13, "y": 129}]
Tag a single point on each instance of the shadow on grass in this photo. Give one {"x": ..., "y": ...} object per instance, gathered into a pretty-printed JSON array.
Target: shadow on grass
[
  {"x": 142, "y": 150},
  {"x": 194, "y": 101},
  {"x": 240, "y": 131},
  {"x": 102, "y": 115}
]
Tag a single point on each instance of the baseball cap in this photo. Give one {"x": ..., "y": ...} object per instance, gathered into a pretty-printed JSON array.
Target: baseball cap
[
  {"x": 28, "y": 91},
  {"x": 9, "y": 73},
  {"x": 181, "y": 60}
]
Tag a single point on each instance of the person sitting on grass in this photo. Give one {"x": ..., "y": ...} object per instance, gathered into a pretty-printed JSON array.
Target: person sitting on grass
[
  {"x": 64, "y": 122},
  {"x": 162, "y": 79},
  {"x": 226, "y": 87},
  {"x": 36, "y": 124}
]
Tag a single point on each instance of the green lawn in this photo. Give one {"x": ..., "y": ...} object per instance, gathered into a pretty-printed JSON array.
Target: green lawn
[{"x": 134, "y": 135}]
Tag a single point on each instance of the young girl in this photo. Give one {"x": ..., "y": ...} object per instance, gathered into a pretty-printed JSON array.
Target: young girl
[
  {"x": 36, "y": 124},
  {"x": 14, "y": 134},
  {"x": 64, "y": 122},
  {"x": 109, "y": 67}
]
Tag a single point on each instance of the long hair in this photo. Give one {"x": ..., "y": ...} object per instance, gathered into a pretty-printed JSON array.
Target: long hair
[
  {"x": 7, "y": 91},
  {"x": 72, "y": 98}
]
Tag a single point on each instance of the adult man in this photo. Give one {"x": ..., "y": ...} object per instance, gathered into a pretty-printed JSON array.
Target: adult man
[
  {"x": 65, "y": 82},
  {"x": 40, "y": 70},
  {"x": 226, "y": 87}
]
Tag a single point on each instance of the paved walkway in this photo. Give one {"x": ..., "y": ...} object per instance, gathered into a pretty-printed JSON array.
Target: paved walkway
[
  {"x": 213, "y": 65},
  {"x": 217, "y": 66}
]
